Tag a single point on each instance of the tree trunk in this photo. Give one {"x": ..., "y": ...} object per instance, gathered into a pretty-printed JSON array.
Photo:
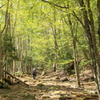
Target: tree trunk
[
  {"x": 1, "y": 59},
  {"x": 98, "y": 6},
  {"x": 55, "y": 65},
  {"x": 74, "y": 36},
  {"x": 76, "y": 64},
  {"x": 91, "y": 40},
  {"x": 3, "y": 41}
]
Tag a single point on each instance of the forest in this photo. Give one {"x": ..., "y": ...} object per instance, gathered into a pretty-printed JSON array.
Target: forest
[{"x": 60, "y": 38}]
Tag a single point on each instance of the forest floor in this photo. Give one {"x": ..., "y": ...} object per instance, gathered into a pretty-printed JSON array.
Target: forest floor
[{"x": 51, "y": 86}]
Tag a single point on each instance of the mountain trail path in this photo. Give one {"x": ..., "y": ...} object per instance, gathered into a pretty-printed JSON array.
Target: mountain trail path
[{"x": 50, "y": 87}]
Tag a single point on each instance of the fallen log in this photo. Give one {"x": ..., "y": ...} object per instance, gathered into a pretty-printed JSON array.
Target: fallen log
[{"x": 15, "y": 78}]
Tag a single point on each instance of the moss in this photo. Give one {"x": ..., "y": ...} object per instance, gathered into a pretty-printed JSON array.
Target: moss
[
  {"x": 3, "y": 84},
  {"x": 5, "y": 95},
  {"x": 40, "y": 86},
  {"x": 28, "y": 96}
]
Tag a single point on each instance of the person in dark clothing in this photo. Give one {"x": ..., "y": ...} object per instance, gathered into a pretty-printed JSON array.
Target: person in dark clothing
[{"x": 34, "y": 73}]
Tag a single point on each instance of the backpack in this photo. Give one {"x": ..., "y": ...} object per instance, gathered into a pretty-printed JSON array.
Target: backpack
[{"x": 34, "y": 71}]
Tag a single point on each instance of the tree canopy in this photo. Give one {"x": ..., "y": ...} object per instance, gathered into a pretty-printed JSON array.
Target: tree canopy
[{"x": 49, "y": 34}]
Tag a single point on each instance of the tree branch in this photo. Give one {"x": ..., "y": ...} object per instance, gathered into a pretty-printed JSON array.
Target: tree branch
[
  {"x": 6, "y": 20},
  {"x": 54, "y": 4},
  {"x": 1, "y": 6},
  {"x": 74, "y": 14}
]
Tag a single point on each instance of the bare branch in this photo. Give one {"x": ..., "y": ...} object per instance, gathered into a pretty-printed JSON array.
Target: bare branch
[
  {"x": 74, "y": 14},
  {"x": 1, "y": 6},
  {"x": 55, "y": 4}
]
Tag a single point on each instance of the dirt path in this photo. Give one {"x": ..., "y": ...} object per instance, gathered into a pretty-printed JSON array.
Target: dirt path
[{"x": 48, "y": 88}]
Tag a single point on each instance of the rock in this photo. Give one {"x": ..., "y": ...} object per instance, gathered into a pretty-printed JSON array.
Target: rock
[
  {"x": 64, "y": 79},
  {"x": 45, "y": 97},
  {"x": 89, "y": 79},
  {"x": 40, "y": 86},
  {"x": 65, "y": 98},
  {"x": 57, "y": 77},
  {"x": 62, "y": 98},
  {"x": 29, "y": 96},
  {"x": 8, "y": 80},
  {"x": 4, "y": 84}
]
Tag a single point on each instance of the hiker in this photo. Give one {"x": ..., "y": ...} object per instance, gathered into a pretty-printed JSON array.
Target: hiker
[{"x": 34, "y": 73}]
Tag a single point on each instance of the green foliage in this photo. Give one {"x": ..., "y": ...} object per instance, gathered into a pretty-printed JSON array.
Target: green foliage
[
  {"x": 84, "y": 63},
  {"x": 32, "y": 29},
  {"x": 3, "y": 84},
  {"x": 18, "y": 73},
  {"x": 64, "y": 62},
  {"x": 10, "y": 50}
]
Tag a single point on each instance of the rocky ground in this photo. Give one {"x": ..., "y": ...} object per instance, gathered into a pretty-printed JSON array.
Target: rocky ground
[{"x": 52, "y": 86}]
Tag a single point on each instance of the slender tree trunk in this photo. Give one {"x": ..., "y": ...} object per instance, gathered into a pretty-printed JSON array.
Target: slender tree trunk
[
  {"x": 76, "y": 64},
  {"x": 55, "y": 65},
  {"x": 98, "y": 6},
  {"x": 20, "y": 55},
  {"x": 14, "y": 66},
  {"x": 75, "y": 52},
  {"x": 1, "y": 59}
]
